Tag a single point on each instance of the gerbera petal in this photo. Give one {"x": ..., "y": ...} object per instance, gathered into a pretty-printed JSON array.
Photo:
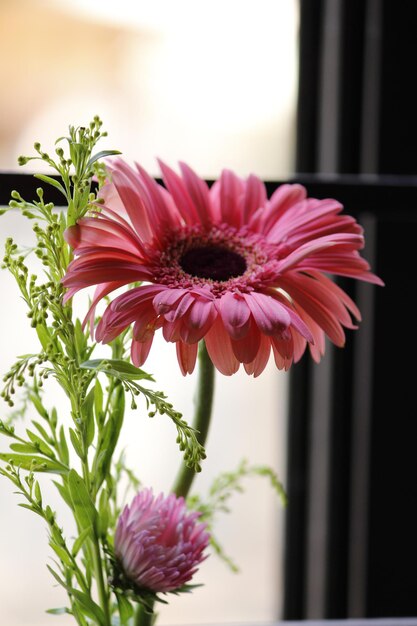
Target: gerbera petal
[
  {"x": 198, "y": 320},
  {"x": 220, "y": 349},
  {"x": 139, "y": 351},
  {"x": 231, "y": 190},
  {"x": 257, "y": 366},
  {"x": 186, "y": 355},
  {"x": 254, "y": 197},
  {"x": 246, "y": 349},
  {"x": 235, "y": 314},
  {"x": 180, "y": 194},
  {"x": 134, "y": 204},
  {"x": 269, "y": 314},
  {"x": 199, "y": 193}
]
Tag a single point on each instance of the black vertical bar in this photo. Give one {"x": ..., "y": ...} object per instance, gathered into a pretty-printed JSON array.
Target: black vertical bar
[
  {"x": 295, "y": 525},
  {"x": 308, "y": 88}
]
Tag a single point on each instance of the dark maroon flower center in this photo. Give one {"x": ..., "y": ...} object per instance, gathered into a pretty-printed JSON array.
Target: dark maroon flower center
[{"x": 213, "y": 262}]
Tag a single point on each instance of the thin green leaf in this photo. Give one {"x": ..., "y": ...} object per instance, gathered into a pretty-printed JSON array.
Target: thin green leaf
[
  {"x": 84, "y": 509},
  {"x": 59, "y": 611},
  {"x": 34, "y": 463},
  {"x": 118, "y": 368},
  {"x": 76, "y": 444},
  {"x": 51, "y": 181},
  {"x": 78, "y": 543},
  {"x": 91, "y": 609},
  {"x": 43, "y": 336},
  {"x": 101, "y": 155},
  {"x": 125, "y": 609},
  {"x": 63, "y": 446}
]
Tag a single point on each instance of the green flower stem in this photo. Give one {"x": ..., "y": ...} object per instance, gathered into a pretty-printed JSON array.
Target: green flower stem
[
  {"x": 185, "y": 476},
  {"x": 144, "y": 618},
  {"x": 101, "y": 587},
  {"x": 204, "y": 404}
]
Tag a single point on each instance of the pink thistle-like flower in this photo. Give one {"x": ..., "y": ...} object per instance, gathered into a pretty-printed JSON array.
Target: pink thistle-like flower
[
  {"x": 158, "y": 543},
  {"x": 223, "y": 264}
]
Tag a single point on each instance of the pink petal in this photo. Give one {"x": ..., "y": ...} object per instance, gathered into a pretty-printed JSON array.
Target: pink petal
[
  {"x": 133, "y": 201},
  {"x": 186, "y": 355},
  {"x": 235, "y": 314},
  {"x": 245, "y": 350},
  {"x": 199, "y": 193},
  {"x": 254, "y": 197},
  {"x": 270, "y": 315},
  {"x": 140, "y": 350},
  {"x": 220, "y": 349},
  {"x": 181, "y": 197},
  {"x": 257, "y": 366},
  {"x": 231, "y": 190},
  {"x": 198, "y": 320}
]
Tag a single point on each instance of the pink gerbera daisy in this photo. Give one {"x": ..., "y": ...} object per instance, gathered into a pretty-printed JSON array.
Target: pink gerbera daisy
[{"x": 223, "y": 264}]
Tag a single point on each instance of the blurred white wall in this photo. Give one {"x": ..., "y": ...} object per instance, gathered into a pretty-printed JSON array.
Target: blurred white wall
[{"x": 212, "y": 83}]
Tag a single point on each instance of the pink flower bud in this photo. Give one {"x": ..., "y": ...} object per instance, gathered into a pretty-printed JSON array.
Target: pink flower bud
[{"x": 158, "y": 543}]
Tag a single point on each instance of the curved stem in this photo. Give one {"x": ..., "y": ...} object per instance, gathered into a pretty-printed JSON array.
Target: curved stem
[
  {"x": 201, "y": 423},
  {"x": 204, "y": 404}
]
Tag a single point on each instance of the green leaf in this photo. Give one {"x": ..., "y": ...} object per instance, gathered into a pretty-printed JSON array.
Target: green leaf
[
  {"x": 62, "y": 554},
  {"x": 84, "y": 509},
  {"x": 34, "y": 463},
  {"x": 78, "y": 543},
  {"x": 102, "y": 155},
  {"x": 80, "y": 338},
  {"x": 88, "y": 415},
  {"x": 116, "y": 367},
  {"x": 43, "y": 336},
  {"x": 40, "y": 444},
  {"x": 90, "y": 608},
  {"x": 24, "y": 447},
  {"x": 64, "y": 493},
  {"x": 98, "y": 403},
  {"x": 37, "y": 403},
  {"x": 76, "y": 443},
  {"x": 63, "y": 447},
  {"x": 109, "y": 438},
  {"x": 125, "y": 609},
  {"x": 59, "y": 611},
  {"x": 51, "y": 181},
  {"x": 103, "y": 510}
]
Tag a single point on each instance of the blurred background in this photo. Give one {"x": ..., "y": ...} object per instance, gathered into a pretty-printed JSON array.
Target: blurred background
[{"x": 213, "y": 83}]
